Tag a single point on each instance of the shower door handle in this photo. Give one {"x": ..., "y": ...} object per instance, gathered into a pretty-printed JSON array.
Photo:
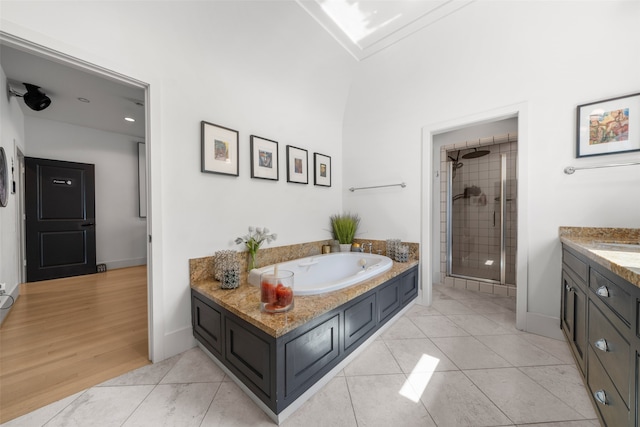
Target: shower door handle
[{"x": 494, "y": 218}]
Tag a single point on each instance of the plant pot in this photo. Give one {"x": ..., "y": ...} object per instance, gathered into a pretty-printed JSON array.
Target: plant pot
[{"x": 345, "y": 247}]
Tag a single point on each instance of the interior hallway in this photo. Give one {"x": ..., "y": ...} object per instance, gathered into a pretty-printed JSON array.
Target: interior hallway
[
  {"x": 460, "y": 362},
  {"x": 65, "y": 335}
]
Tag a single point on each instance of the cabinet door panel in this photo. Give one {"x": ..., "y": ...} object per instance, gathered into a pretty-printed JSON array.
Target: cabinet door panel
[
  {"x": 359, "y": 319},
  {"x": 388, "y": 300},
  {"x": 249, "y": 354},
  {"x": 207, "y": 324}
]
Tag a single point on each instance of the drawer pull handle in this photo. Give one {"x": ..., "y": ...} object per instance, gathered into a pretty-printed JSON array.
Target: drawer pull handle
[
  {"x": 602, "y": 345},
  {"x": 603, "y": 292},
  {"x": 601, "y": 397},
  {"x": 568, "y": 288}
]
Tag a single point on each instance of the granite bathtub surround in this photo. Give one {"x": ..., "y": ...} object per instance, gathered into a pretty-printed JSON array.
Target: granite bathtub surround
[
  {"x": 244, "y": 301},
  {"x": 625, "y": 262}
]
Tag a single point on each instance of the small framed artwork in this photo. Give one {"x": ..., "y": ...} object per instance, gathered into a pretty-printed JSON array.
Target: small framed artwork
[
  {"x": 322, "y": 170},
  {"x": 219, "y": 149},
  {"x": 297, "y": 164},
  {"x": 264, "y": 158},
  {"x": 610, "y": 126}
]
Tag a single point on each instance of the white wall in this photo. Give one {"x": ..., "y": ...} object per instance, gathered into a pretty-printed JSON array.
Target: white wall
[
  {"x": 263, "y": 68},
  {"x": 549, "y": 56},
  {"x": 120, "y": 233},
  {"x": 11, "y": 139}
]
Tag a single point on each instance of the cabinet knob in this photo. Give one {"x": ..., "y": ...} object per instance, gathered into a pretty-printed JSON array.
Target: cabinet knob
[
  {"x": 601, "y": 397},
  {"x": 568, "y": 288},
  {"x": 603, "y": 291},
  {"x": 602, "y": 345}
]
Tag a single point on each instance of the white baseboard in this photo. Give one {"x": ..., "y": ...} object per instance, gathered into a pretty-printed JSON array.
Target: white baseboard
[
  {"x": 547, "y": 326},
  {"x": 113, "y": 265},
  {"x": 5, "y": 300},
  {"x": 178, "y": 341}
]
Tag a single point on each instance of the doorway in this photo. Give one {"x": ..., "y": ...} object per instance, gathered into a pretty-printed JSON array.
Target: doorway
[
  {"x": 98, "y": 73},
  {"x": 434, "y": 185}
]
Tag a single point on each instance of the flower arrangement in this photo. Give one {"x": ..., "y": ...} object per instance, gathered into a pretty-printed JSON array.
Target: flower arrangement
[{"x": 253, "y": 241}]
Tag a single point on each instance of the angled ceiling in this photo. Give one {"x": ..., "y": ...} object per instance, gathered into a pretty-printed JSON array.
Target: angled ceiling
[
  {"x": 109, "y": 101},
  {"x": 365, "y": 27}
]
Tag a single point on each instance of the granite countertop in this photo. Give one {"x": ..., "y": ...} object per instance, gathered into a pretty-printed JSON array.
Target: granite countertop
[
  {"x": 244, "y": 301},
  {"x": 617, "y": 249}
]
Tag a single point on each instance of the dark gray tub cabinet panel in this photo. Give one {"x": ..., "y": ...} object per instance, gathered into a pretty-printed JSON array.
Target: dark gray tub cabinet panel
[
  {"x": 279, "y": 370},
  {"x": 601, "y": 322}
]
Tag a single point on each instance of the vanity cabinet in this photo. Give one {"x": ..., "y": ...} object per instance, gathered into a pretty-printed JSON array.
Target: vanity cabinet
[
  {"x": 279, "y": 370},
  {"x": 601, "y": 322}
]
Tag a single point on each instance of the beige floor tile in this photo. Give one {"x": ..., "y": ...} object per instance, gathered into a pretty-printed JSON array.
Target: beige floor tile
[
  {"x": 438, "y": 326},
  {"x": 477, "y": 324},
  {"x": 194, "y": 366},
  {"x": 183, "y": 405},
  {"x": 375, "y": 359},
  {"x": 41, "y": 416},
  {"x": 565, "y": 383},
  {"x": 231, "y": 407},
  {"x": 386, "y": 400},
  {"x": 150, "y": 374},
  {"x": 102, "y": 407},
  {"x": 506, "y": 320},
  {"x": 421, "y": 310},
  {"x": 452, "y": 306},
  {"x": 519, "y": 397},
  {"x": 401, "y": 329},
  {"x": 518, "y": 351},
  {"x": 453, "y": 400},
  {"x": 419, "y": 355},
  {"x": 484, "y": 306},
  {"x": 469, "y": 353},
  {"x": 557, "y": 348},
  {"x": 331, "y": 406},
  {"x": 585, "y": 423}
]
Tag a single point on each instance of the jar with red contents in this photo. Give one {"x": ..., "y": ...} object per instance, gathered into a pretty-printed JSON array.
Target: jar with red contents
[{"x": 276, "y": 291}]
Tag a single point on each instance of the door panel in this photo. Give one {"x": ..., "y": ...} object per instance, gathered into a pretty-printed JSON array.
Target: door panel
[{"x": 60, "y": 223}]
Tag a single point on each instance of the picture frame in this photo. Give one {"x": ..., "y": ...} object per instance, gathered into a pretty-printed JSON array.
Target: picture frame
[
  {"x": 220, "y": 149},
  {"x": 264, "y": 158},
  {"x": 610, "y": 126},
  {"x": 297, "y": 165},
  {"x": 322, "y": 170},
  {"x": 4, "y": 179}
]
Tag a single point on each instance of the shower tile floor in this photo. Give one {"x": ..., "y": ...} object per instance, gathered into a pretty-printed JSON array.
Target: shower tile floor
[{"x": 459, "y": 362}]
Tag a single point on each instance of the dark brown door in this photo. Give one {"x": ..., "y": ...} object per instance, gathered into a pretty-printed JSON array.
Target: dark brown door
[{"x": 60, "y": 223}]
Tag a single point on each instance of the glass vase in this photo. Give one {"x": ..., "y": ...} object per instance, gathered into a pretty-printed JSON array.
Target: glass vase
[{"x": 252, "y": 261}]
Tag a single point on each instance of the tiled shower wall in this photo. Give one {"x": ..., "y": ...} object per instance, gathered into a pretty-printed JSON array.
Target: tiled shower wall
[{"x": 476, "y": 235}]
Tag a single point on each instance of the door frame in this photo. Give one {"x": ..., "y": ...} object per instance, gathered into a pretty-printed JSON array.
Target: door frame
[
  {"x": 430, "y": 243},
  {"x": 154, "y": 296}
]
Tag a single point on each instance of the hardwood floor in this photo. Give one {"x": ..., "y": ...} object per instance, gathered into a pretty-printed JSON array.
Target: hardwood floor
[{"x": 65, "y": 335}]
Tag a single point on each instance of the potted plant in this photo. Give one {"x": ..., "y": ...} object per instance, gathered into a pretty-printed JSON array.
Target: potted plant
[{"x": 344, "y": 228}]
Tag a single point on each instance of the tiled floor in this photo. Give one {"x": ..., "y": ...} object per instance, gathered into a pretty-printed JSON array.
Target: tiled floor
[{"x": 459, "y": 362}]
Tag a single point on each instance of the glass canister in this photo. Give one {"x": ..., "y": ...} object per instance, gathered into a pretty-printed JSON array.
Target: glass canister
[{"x": 276, "y": 291}]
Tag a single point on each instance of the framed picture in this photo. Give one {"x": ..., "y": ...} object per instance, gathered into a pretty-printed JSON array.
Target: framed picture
[
  {"x": 297, "y": 164},
  {"x": 322, "y": 170},
  {"x": 264, "y": 158},
  {"x": 219, "y": 149},
  {"x": 609, "y": 127},
  {"x": 4, "y": 179}
]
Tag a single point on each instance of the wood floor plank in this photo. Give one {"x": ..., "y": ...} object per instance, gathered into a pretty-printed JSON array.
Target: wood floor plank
[{"x": 65, "y": 335}]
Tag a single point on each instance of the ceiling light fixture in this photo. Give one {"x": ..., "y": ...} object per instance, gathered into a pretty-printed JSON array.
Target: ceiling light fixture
[
  {"x": 129, "y": 119},
  {"x": 35, "y": 98}
]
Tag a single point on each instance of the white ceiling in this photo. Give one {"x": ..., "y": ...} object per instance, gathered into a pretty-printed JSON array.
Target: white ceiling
[
  {"x": 365, "y": 27},
  {"x": 110, "y": 101}
]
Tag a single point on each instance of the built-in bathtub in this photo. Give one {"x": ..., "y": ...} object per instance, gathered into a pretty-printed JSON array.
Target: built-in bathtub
[{"x": 328, "y": 272}]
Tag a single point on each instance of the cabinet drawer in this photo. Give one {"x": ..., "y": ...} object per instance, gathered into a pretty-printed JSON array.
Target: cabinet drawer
[
  {"x": 611, "y": 348},
  {"x": 359, "y": 319},
  {"x": 611, "y": 294},
  {"x": 388, "y": 300},
  {"x": 207, "y": 324},
  {"x": 309, "y": 353},
  {"x": 577, "y": 265},
  {"x": 613, "y": 411}
]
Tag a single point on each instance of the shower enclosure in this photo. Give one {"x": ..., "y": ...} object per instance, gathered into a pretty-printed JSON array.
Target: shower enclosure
[{"x": 482, "y": 211}]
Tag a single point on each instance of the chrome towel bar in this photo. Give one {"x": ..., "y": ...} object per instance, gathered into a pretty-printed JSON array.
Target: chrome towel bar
[
  {"x": 570, "y": 169},
  {"x": 402, "y": 184}
]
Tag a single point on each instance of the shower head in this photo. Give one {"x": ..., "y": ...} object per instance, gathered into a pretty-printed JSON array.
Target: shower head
[{"x": 475, "y": 154}]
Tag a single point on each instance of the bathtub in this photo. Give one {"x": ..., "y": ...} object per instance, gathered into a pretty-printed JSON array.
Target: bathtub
[{"x": 328, "y": 272}]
